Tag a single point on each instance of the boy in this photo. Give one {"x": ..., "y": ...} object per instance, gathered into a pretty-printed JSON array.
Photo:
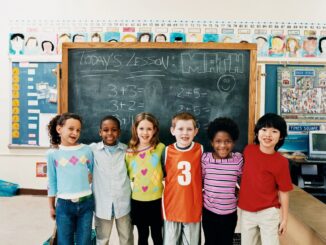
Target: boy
[
  {"x": 111, "y": 185},
  {"x": 265, "y": 184},
  {"x": 182, "y": 203}
]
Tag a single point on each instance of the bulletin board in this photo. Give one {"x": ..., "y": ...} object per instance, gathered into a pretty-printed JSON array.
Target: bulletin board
[
  {"x": 299, "y": 124},
  {"x": 302, "y": 93},
  {"x": 34, "y": 102}
]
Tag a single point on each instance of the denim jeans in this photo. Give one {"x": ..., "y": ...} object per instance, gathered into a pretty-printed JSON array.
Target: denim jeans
[{"x": 74, "y": 221}]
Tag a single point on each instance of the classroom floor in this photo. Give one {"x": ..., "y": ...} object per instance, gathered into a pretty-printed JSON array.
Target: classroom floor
[{"x": 25, "y": 220}]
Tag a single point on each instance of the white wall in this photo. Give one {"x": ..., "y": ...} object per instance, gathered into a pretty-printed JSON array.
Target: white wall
[{"x": 19, "y": 165}]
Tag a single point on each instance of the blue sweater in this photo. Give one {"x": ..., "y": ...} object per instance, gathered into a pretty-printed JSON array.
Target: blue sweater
[{"x": 68, "y": 169}]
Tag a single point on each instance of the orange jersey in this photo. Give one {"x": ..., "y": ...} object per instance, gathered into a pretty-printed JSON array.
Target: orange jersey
[{"x": 183, "y": 184}]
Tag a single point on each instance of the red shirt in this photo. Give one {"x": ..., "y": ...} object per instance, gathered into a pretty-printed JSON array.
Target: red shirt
[
  {"x": 263, "y": 176},
  {"x": 183, "y": 184}
]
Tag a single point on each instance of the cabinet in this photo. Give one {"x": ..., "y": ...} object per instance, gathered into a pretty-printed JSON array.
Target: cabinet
[{"x": 310, "y": 176}]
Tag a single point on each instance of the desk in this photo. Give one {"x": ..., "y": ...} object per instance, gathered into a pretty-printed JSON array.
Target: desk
[
  {"x": 306, "y": 221},
  {"x": 310, "y": 176}
]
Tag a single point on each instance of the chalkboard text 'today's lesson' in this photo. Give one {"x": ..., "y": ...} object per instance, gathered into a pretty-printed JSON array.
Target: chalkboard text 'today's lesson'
[{"x": 205, "y": 62}]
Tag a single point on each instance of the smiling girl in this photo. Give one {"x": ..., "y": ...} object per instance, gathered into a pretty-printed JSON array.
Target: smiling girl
[
  {"x": 221, "y": 170},
  {"x": 144, "y": 166}
]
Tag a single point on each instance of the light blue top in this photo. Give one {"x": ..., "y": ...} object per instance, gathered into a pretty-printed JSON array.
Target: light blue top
[
  {"x": 68, "y": 168},
  {"x": 111, "y": 185}
]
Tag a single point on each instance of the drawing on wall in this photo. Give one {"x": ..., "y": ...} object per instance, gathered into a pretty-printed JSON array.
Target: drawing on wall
[
  {"x": 309, "y": 46},
  {"x": 16, "y": 44},
  {"x": 32, "y": 46},
  {"x": 96, "y": 37},
  {"x": 79, "y": 37},
  {"x": 210, "y": 38},
  {"x": 302, "y": 93},
  {"x": 275, "y": 39},
  {"x": 47, "y": 47},
  {"x": 111, "y": 36},
  {"x": 194, "y": 37},
  {"x": 161, "y": 38},
  {"x": 176, "y": 37},
  {"x": 322, "y": 47},
  {"x": 144, "y": 37},
  {"x": 128, "y": 38},
  {"x": 262, "y": 45},
  {"x": 62, "y": 38},
  {"x": 276, "y": 45},
  {"x": 293, "y": 46},
  {"x": 227, "y": 38}
]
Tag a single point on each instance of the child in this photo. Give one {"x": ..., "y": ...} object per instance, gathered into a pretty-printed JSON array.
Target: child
[
  {"x": 183, "y": 183},
  {"x": 144, "y": 166},
  {"x": 221, "y": 169},
  {"x": 265, "y": 184},
  {"x": 111, "y": 185},
  {"x": 69, "y": 165}
]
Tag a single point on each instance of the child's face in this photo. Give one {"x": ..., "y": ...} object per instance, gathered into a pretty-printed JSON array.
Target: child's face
[
  {"x": 268, "y": 138},
  {"x": 144, "y": 39},
  {"x": 184, "y": 132},
  {"x": 109, "y": 132},
  {"x": 145, "y": 132},
  {"x": 69, "y": 132},
  {"x": 310, "y": 45},
  {"x": 222, "y": 145}
]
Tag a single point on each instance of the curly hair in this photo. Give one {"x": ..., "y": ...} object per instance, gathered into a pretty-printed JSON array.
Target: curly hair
[
  {"x": 60, "y": 120},
  {"x": 223, "y": 124},
  {"x": 112, "y": 118}
]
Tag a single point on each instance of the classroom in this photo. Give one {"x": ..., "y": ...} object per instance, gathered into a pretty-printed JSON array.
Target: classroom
[{"x": 239, "y": 59}]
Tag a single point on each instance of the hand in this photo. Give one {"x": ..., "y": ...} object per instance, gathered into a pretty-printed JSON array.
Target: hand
[
  {"x": 52, "y": 213},
  {"x": 90, "y": 178},
  {"x": 282, "y": 228}
]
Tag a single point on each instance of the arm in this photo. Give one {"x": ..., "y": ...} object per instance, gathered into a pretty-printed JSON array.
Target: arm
[
  {"x": 52, "y": 207},
  {"x": 284, "y": 200},
  {"x": 90, "y": 166},
  {"x": 52, "y": 183},
  {"x": 240, "y": 171},
  {"x": 163, "y": 162}
]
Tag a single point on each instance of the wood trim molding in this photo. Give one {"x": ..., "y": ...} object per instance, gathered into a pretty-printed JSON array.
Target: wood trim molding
[{"x": 23, "y": 191}]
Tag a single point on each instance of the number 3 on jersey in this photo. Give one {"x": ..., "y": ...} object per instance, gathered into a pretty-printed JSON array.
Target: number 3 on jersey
[{"x": 185, "y": 177}]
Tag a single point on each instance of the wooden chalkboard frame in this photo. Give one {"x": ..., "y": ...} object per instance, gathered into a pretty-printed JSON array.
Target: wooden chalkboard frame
[{"x": 252, "y": 48}]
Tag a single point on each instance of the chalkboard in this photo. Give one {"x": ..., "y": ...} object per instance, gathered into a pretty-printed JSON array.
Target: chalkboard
[{"x": 123, "y": 79}]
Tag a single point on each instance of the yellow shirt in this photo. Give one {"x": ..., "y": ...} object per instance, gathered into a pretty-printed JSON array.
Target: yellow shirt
[{"x": 145, "y": 170}]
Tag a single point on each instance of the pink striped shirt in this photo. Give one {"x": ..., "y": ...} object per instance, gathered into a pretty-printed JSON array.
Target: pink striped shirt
[{"x": 219, "y": 182}]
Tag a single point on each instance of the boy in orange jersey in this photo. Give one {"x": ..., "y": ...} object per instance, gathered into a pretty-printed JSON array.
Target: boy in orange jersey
[{"x": 182, "y": 202}]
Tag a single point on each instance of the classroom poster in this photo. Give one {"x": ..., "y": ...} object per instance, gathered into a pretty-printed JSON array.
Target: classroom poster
[
  {"x": 302, "y": 93},
  {"x": 298, "y": 139},
  {"x": 34, "y": 94}
]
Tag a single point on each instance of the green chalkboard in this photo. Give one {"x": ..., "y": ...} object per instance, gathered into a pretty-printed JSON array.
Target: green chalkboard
[{"x": 124, "y": 79}]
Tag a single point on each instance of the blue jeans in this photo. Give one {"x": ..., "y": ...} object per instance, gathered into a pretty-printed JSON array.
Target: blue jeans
[{"x": 74, "y": 221}]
